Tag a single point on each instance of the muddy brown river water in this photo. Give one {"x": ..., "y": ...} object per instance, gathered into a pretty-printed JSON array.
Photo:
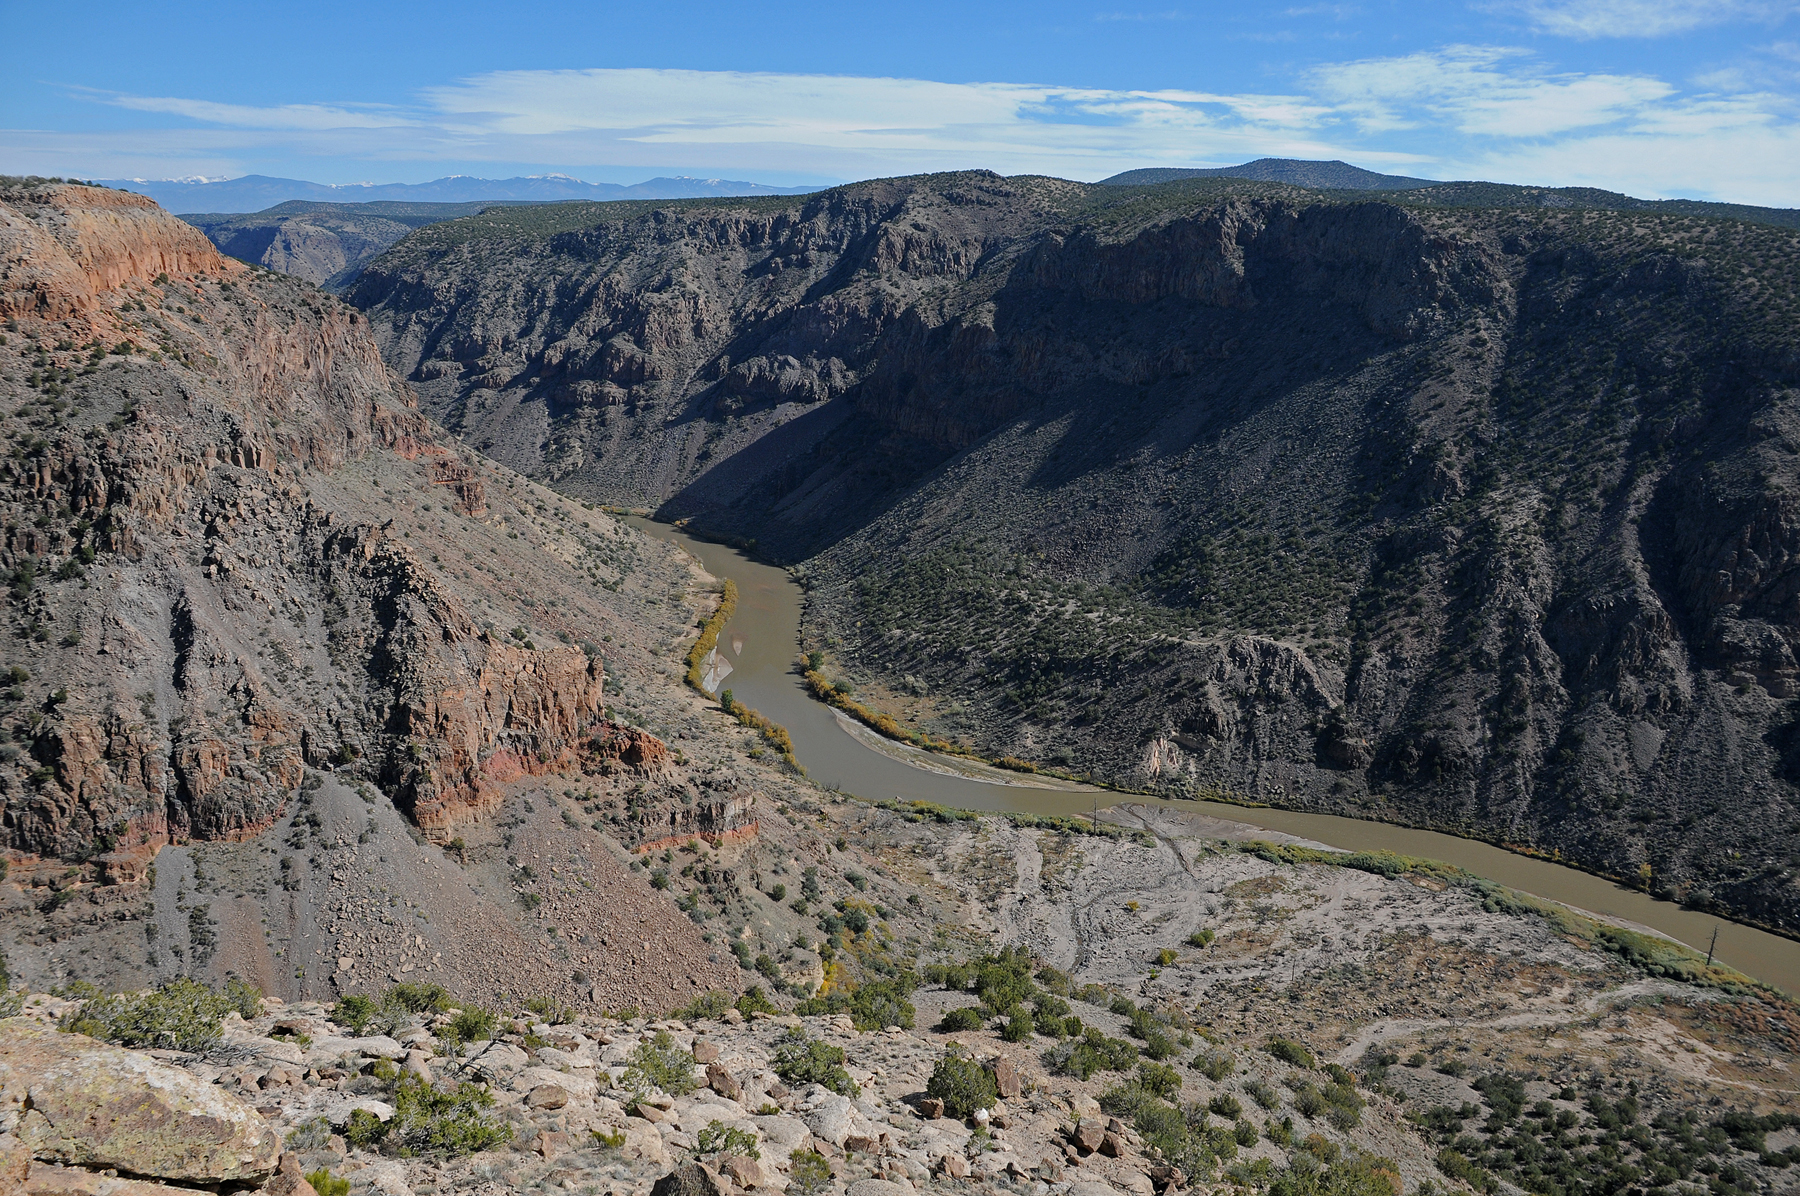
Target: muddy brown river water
[{"x": 761, "y": 644}]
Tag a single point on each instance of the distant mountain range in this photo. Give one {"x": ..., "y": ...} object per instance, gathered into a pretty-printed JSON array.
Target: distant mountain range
[
  {"x": 254, "y": 192},
  {"x": 1337, "y": 176}
]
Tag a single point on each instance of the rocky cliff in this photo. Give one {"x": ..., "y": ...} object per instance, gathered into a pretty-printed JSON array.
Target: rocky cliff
[
  {"x": 1460, "y": 508},
  {"x": 253, "y": 590},
  {"x": 325, "y": 244}
]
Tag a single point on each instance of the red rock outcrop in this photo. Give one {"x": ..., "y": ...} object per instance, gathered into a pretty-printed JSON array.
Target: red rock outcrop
[{"x": 211, "y": 545}]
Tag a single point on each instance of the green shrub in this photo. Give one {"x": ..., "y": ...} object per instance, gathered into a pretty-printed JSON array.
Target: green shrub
[
  {"x": 1454, "y": 1164},
  {"x": 660, "y": 1064},
  {"x": 472, "y": 1023},
  {"x": 364, "y": 1128},
  {"x": 879, "y": 1004},
  {"x": 1158, "y": 1045},
  {"x": 754, "y": 1000},
  {"x": 809, "y": 1174},
  {"x": 1018, "y": 1028},
  {"x": 1160, "y": 1080},
  {"x": 1259, "y": 1091},
  {"x": 1344, "y": 1105},
  {"x": 1309, "y": 1101},
  {"x": 710, "y": 1004},
  {"x": 1125, "y": 1100},
  {"x": 1244, "y": 1133},
  {"x": 1046, "y": 1006},
  {"x": 1166, "y": 957},
  {"x": 718, "y": 1138},
  {"x": 1282, "y": 1133},
  {"x": 183, "y": 1015},
  {"x": 1215, "y": 1064},
  {"x": 417, "y": 997},
  {"x": 801, "y": 1060},
  {"x": 552, "y": 1010},
  {"x": 1289, "y": 1051},
  {"x": 962, "y": 1084},
  {"x": 1225, "y": 1105},
  {"x": 432, "y": 1121},
  {"x": 326, "y": 1184},
  {"x": 354, "y": 1012},
  {"x": 246, "y": 998},
  {"x": 969, "y": 1017},
  {"x": 1201, "y": 938},
  {"x": 1090, "y": 1053}
]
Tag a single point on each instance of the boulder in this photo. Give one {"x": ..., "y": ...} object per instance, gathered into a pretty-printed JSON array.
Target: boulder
[
  {"x": 1088, "y": 1187},
  {"x": 579, "y": 1087},
  {"x": 931, "y": 1108},
  {"x": 788, "y": 1133},
  {"x": 954, "y": 1166},
  {"x": 1165, "y": 1177},
  {"x": 705, "y": 1052},
  {"x": 1112, "y": 1145},
  {"x": 496, "y": 1061},
  {"x": 643, "y": 1143},
  {"x": 861, "y": 1144},
  {"x": 375, "y": 1046},
  {"x": 1088, "y": 1134},
  {"x": 547, "y": 1096},
  {"x": 744, "y": 1171},
  {"x": 720, "y": 1080},
  {"x": 48, "y": 1179},
  {"x": 1008, "y": 1079},
  {"x": 878, "y": 1187},
  {"x": 418, "y": 1063},
  {"x": 338, "y": 1111},
  {"x": 99, "y": 1106},
  {"x": 289, "y": 1179},
  {"x": 835, "y": 1119},
  {"x": 690, "y": 1179}
]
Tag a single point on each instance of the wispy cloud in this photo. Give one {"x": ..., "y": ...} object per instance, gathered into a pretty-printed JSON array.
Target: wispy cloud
[
  {"x": 285, "y": 116},
  {"x": 1639, "y": 18},
  {"x": 1482, "y": 90},
  {"x": 1170, "y": 15}
]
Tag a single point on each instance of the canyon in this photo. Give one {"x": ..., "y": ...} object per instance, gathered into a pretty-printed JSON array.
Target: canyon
[
  {"x": 1460, "y": 506},
  {"x": 363, "y": 833}
]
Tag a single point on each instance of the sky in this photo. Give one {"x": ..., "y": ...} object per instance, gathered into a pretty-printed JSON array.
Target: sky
[{"x": 1656, "y": 98}]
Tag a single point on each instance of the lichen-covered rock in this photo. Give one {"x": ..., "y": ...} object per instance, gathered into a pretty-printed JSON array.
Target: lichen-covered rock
[{"x": 85, "y": 1103}]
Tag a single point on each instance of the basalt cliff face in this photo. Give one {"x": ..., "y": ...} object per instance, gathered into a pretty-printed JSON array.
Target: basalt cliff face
[{"x": 1456, "y": 509}]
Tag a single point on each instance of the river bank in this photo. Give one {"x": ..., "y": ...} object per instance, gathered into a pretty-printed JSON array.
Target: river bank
[{"x": 762, "y": 636}]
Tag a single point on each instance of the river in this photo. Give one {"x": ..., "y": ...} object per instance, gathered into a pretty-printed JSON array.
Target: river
[{"x": 762, "y": 641}]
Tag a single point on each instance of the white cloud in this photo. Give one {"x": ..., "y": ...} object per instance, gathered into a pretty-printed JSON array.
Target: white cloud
[
  {"x": 1640, "y": 18},
  {"x": 1477, "y": 90}
]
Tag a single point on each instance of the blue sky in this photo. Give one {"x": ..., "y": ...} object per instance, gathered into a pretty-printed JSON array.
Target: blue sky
[{"x": 1651, "y": 97}]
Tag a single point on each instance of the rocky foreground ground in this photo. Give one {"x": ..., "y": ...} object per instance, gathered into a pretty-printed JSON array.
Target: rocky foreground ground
[{"x": 1451, "y": 1044}]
